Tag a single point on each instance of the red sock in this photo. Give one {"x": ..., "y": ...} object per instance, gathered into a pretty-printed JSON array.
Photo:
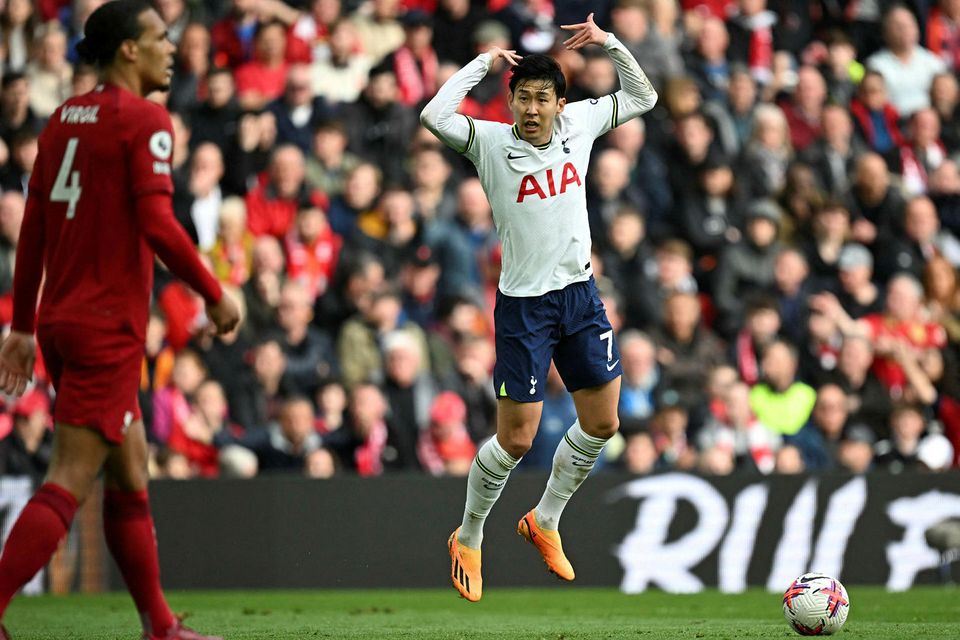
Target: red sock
[
  {"x": 34, "y": 538},
  {"x": 128, "y": 528}
]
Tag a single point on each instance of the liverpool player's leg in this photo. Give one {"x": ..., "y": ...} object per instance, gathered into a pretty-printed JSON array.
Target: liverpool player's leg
[
  {"x": 78, "y": 456},
  {"x": 128, "y": 528}
]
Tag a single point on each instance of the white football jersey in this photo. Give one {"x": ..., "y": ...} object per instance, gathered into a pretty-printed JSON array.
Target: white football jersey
[{"x": 538, "y": 194}]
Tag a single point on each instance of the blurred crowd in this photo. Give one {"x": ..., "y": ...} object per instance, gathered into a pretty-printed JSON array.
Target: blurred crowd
[{"x": 776, "y": 242}]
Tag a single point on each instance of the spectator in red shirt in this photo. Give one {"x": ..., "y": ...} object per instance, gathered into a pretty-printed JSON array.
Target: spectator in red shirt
[
  {"x": 272, "y": 205},
  {"x": 804, "y": 109},
  {"x": 445, "y": 447},
  {"x": 415, "y": 63},
  {"x": 264, "y": 78},
  {"x": 313, "y": 250}
]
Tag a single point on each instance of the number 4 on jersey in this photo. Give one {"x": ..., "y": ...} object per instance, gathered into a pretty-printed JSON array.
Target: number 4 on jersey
[{"x": 66, "y": 188}]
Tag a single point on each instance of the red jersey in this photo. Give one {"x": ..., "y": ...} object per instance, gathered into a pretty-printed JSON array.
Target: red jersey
[
  {"x": 919, "y": 335},
  {"x": 91, "y": 217}
]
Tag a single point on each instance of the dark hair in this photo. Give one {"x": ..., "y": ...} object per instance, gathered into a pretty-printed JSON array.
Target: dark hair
[
  {"x": 108, "y": 27},
  {"x": 539, "y": 67},
  {"x": 10, "y": 78}
]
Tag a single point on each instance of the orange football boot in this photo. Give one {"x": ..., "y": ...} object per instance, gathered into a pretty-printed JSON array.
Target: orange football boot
[
  {"x": 548, "y": 544},
  {"x": 465, "y": 568}
]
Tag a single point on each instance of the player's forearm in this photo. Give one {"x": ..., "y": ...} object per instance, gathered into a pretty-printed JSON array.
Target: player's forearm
[
  {"x": 29, "y": 268},
  {"x": 636, "y": 95},
  {"x": 172, "y": 245},
  {"x": 440, "y": 114}
]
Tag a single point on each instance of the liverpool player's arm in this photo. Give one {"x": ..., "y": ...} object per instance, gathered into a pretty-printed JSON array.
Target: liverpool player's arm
[
  {"x": 440, "y": 115},
  {"x": 19, "y": 350}
]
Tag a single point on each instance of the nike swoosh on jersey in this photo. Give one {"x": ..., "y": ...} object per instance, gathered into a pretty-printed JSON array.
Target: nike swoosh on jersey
[
  {"x": 612, "y": 365},
  {"x": 510, "y": 156}
]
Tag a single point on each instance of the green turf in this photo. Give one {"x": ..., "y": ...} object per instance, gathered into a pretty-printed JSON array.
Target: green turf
[{"x": 550, "y": 614}]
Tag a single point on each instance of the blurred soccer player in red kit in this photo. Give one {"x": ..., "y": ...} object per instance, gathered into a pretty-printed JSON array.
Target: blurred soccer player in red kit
[{"x": 99, "y": 209}]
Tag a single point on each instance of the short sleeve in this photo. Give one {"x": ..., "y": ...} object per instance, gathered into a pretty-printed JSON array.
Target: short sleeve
[
  {"x": 596, "y": 115},
  {"x": 151, "y": 152}
]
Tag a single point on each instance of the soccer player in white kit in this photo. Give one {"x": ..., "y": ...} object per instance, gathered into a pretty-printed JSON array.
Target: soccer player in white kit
[{"x": 547, "y": 305}]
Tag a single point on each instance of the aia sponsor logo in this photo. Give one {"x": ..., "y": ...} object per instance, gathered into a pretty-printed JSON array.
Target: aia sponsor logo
[{"x": 530, "y": 185}]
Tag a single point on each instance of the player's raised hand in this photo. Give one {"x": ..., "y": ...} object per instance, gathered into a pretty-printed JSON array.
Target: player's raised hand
[
  {"x": 17, "y": 356},
  {"x": 507, "y": 54},
  {"x": 225, "y": 315},
  {"x": 586, "y": 33}
]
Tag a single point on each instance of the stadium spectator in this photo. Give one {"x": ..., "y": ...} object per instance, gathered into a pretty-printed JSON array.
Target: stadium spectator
[
  {"x": 911, "y": 445},
  {"x": 364, "y": 448},
  {"x": 270, "y": 387},
  {"x": 329, "y": 162},
  {"x": 639, "y": 454},
  {"x": 858, "y": 295},
  {"x": 285, "y": 444},
  {"x": 379, "y": 126},
  {"x": 923, "y": 239},
  {"x": 944, "y": 100},
  {"x": 27, "y": 449},
  {"x": 313, "y": 251},
  {"x": 49, "y": 74},
  {"x": 216, "y": 118},
  {"x": 379, "y": 29},
  {"x": 628, "y": 261},
  {"x": 923, "y": 152},
  {"x": 171, "y": 404},
  {"x": 641, "y": 375},
  {"x": 194, "y": 432},
  {"x": 907, "y": 67},
  {"x": 415, "y": 62},
  {"x": 359, "y": 278},
  {"x": 751, "y": 38},
  {"x": 762, "y": 324},
  {"x": 869, "y": 403},
  {"x": 830, "y": 229},
  {"x": 747, "y": 267},
  {"x": 197, "y": 203},
  {"x": 647, "y": 172},
  {"x": 360, "y": 345},
  {"x": 630, "y": 20},
  {"x": 445, "y": 447},
  {"x": 792, "y": 289},
  {"x": 833, "y": 156},
  {"x": 672, "y": 273},
  {"x": 360, "y": 191},
  {"x": 711, "y": 217},
  {"x": 192, "y": 67},
  {"x": 876, "y": 120},
  {"x": 875, "y": 204},
  {"x": 453, "y": 25},
  {"x": 708, "y": 62},
  {"x": 280, "y": 192},
  {"x": 855, "y": 453},
  {"x": 460, "y": 242},
  {"x": 668, "y": 427},
  {"x": 233, "y": 248},
  {"x": 780, "y": 401},
  {"x": 308, "y": 351},
  {"x": 297, "y": 111},
  {"x": 263, "y": 78},
  {"x": 752, "y": 445},
  {"x": 804, "y": 109},
  {"x": 819, "y": 440},
  {"x": 342, "y": 76},
  {"x": 686, "y": 350},
  {"x": 609, "y": 189},
  {"x": 410, "y": 391},
  {"x": 767, "y": 153}
]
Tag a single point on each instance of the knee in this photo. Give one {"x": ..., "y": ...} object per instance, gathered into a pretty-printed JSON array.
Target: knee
[
  {"x": 516, "y": 444},
  {"x": 604, "y": 429},
  {"x": 76, "y": 479}
]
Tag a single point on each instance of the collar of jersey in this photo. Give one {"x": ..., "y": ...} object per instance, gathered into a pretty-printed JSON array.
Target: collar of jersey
[{"x": 516, "y": 134}]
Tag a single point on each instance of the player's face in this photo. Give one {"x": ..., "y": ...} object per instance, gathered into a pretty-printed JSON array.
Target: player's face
[
  {"x": 535, "y": 106},
  {"x": 155, "y": 53}
]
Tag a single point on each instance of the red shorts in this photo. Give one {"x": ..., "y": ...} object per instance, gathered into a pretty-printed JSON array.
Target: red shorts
[{"x": 97, "y": 377}]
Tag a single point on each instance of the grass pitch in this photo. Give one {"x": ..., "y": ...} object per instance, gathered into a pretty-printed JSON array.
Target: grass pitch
[{"x": 532, "y": 614}]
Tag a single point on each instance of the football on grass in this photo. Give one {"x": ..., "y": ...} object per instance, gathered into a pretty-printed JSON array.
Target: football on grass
[{"x": 816, "y": 605}]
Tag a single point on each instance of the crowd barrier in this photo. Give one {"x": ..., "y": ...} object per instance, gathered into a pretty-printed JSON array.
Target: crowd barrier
[{"x": 677, "y": 532}]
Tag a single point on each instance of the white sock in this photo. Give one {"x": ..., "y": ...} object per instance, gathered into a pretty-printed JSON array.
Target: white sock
[
  {"x": 575, "y": 457},
  {"x": 488, "y": 474}
]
